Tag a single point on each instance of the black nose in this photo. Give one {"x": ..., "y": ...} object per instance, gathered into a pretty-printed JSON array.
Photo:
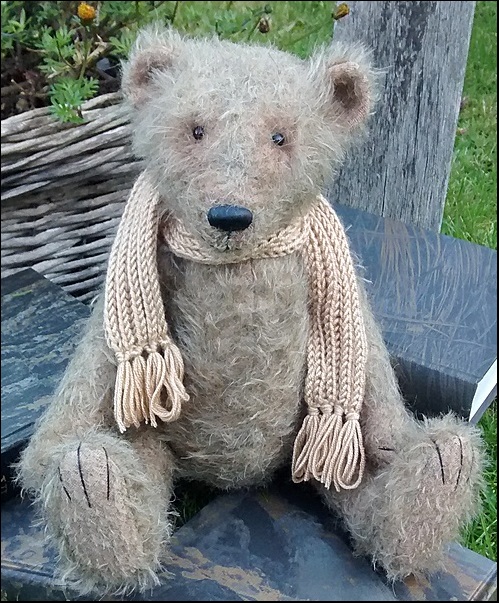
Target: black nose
[{"x": 230, "y": 217}]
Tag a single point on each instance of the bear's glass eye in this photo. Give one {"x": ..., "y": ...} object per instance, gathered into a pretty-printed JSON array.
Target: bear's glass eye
[
  {"x": 279, "y": 139},
  {"x": 198, "y": 132}
]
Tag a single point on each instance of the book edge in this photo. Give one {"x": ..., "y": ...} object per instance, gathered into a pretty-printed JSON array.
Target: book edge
[{"x": 484, "y": 389}]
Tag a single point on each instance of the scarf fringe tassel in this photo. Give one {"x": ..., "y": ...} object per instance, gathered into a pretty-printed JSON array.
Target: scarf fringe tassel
[
  {"x": 140, "y": 381},
  {"x": 330, "y": 450}
]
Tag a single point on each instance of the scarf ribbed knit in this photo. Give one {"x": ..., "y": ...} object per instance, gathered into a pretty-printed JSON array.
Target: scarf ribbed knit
[{"x": 149, "y": 381}]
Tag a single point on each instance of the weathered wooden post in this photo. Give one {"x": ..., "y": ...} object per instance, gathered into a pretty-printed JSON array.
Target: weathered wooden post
[{"x": 402, "y": 169}]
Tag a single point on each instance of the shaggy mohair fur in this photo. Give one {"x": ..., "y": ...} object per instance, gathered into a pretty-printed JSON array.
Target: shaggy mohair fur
[{"x": 241, "y": 328}]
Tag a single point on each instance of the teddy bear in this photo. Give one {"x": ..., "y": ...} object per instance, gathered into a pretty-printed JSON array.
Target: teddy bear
[{"x": 234, "y": 335}]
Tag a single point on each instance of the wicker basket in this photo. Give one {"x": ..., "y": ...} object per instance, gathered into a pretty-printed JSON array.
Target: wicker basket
[{"x": 63, "y": 190}]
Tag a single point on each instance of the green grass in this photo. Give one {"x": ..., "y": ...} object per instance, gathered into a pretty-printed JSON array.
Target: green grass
[
  {"x": 470, "y": 210},
  {"x": 470, "y": 213},
  {"x": 294, "y": 26}
]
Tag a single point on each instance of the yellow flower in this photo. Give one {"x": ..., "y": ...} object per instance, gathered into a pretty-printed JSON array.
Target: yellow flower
[
  {"x": 86, "y": 12},
  {"x": 342, "y": 10}
]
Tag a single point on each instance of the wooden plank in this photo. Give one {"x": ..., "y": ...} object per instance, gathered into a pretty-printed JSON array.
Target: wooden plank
[{"x": 401, "y": 171}]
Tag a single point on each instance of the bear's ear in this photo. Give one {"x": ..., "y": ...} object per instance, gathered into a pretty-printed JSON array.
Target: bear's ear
[
  {"x": 347, "y": 83},
  {"x": 155, "y": 49}
]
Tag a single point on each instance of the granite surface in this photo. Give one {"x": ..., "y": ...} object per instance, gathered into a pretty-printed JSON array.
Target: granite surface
[
  {"x": 277, "y": 544},
  {"x": 41, "y": 325}
]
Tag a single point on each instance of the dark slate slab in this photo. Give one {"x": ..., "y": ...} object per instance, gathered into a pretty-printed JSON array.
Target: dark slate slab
[
  {"x": 277, "y": 544},
  {"x": 41, "y": 325},
  {"x": 435, "y": 299}
]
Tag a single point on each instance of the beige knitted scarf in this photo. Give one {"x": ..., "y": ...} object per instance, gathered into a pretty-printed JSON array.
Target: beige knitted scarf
[{"x": 149, "y": 381}]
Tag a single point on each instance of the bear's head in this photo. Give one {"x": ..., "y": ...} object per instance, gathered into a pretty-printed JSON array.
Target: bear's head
[{"x": 240, "y": 138}]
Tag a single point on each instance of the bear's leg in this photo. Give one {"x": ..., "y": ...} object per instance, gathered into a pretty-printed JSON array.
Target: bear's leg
[
  {"x": 107, "y": 506},
  {"x": 421, "y": 482},
  {"x": 103, "y": 496}
]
